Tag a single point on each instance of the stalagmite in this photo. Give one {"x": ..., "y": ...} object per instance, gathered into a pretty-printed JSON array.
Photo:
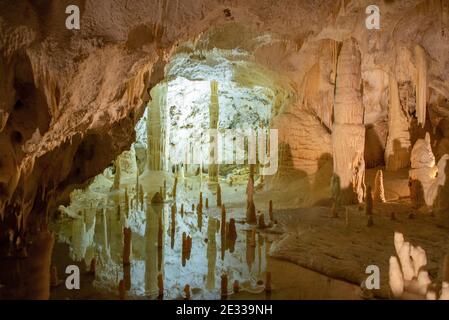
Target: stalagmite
[
  {"x": 379, "y": 194},
  {"x": 268, "y": 281},
  {"x": 54, "y": 279},
  {"x": 185, "y": 248},
  {"x": 207, "y": 203},
  {"x": 200, "y": 216},
  {"x": 348, "y": 132},
  {"x": 218, "y": 195},
  {"x": 164, "y": 190},
  {"x": 224, "y": 286},
  {"x": 189, "y": 247},
  {"x": 182, "y": 209},
  {"x": 236, "y": 286},
  {"x": 156, "y": 128},
  {"x": 187, "y": 292},
  {"x": 369, "y": 206},
  {"x": 397, "y": 150},
  {"x": 157, "y": 199},
  {"x": 193, "y": 207},
  {"x": 92, "y": 267},
  {"x": 126, "y": 245},
  {"x": 261, "y": 222},
  {"x": 425, "y": 179},
  {"x": 214, "y": 118},
  {"x": 421, "y": 85}
]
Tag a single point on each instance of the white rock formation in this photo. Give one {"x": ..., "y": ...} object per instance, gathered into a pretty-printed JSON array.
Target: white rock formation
[
  {"x": 424, "y": 174},
  {"x": 348, "y": 132},
  {"x": 408, "y": 278}
]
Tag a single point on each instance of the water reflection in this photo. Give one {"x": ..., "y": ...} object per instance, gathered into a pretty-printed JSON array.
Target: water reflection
[{"x": 154, "y": 250}]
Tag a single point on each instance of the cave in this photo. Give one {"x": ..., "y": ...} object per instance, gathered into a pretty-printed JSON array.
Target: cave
[{"x": 224, "y": 150}]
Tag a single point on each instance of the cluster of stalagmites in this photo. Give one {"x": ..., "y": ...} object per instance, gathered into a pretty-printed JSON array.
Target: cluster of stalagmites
[{"x": 408, "y": 277}]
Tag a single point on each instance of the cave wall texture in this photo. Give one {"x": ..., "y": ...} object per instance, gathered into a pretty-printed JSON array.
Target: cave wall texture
[{"x": 70, "y": 99}]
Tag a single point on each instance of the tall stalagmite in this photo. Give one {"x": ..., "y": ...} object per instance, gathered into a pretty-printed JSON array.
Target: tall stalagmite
[
  {"x": 156, "y": 128},
  {"x": 348, "y": 132}
]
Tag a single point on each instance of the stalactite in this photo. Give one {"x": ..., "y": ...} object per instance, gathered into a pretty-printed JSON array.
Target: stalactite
[
  {"x": 379, "y": 194},
  {"x": 174, "y": 188},
  {"x": 116, "y": 184},
  {"x": 156, "y": 129},
  {"x": 397, "y": 150},
  {"x": 421, "y": 85},
  {"x": 348, "y": 133}
]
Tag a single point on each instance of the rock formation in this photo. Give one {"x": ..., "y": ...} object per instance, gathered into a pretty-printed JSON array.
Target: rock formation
[
  {"x": 425, "y": 178},
  {"x": 348, "y": 131},
  {"x": 408, "y": 277}
]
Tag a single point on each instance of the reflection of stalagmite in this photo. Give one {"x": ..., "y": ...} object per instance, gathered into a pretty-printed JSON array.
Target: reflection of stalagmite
[
  {"x": 379, "y": 194},
  {"x": 127, "y": 276},
  {"x": 121, "y": 290},
  {"x": 126, "y": 245},
  {"x": 348, "y": 132},
  {"x": 270, "y": 211},
  {"x": 173, "y": 225},
  {"x": 151, "y": 249},
  {"x": 213, "y": 116},
  {"x": 250, "y": 208},
  {"x": 218, "y": 195},
  {"x": 224, "y": 286},
  {"x": 397, "y": 150},
  {"x": 211, "y": 253},
  {"x": 250, "y": 249},
  {"x": 236, "y": 286},
  {"x": 175, "y": 185},
  {"x": 268, "y": 281},
  {"x": 231, "y": 236},
  {"x": 92, "y": 267},
  {"x": 160, "y": 284},
  {"x": 421, "y": 85},
  {"x": 223, "y": 231},
  {"x": 425, "y": 179}
]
